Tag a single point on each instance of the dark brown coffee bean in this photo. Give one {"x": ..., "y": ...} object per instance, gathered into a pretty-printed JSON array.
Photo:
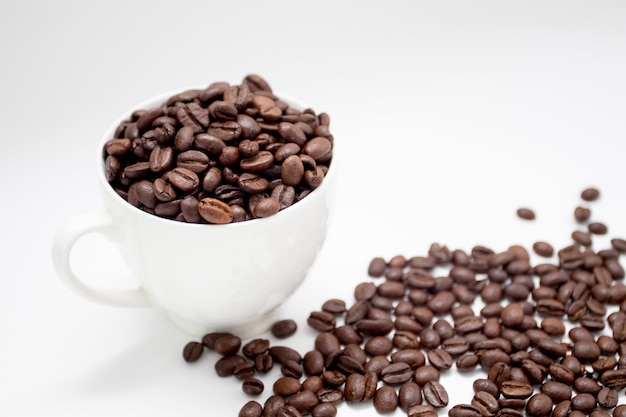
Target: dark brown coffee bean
[
  {"x": 385, "y": 400},
  {"x": 483, "y": 384},
  {"x": 619, "y": 244},
  {"x": 435, "y": 394},
  {"x": 324, "y": 410},
  {"x": 614, "y": 378},
  {"x": 266, "y": 207},
  {"x": 215, "y": 211},
  {"x": 322, "y": 321},
  {"x": 354, "y": 389},
  {"x": 192, "y": 351},
  {"x": 288, "y": 411},
  {"x": 226, "y": 365},
  {"x": 526, "y": 213},
  {"x": 244, "y": 371},
  {"x": 227, "y": 345},
  {"x": 257, "y": 163},
  {"x": 409, "y": 395},
  {"x": 375, "y": 327},
  {"x": 590, "y": 194},
  {"x": 557, "y": 391},
  {"x": 396, "y": 373},
  {"x": 251, "y": 409},
  {"x": 303, "y": 401},
  {"x": 333, "y": 379},
  {"x": 424, "y": 410},
  {"x": 263, "y": 363},
  {"x": 587, "y": 385},
  {"x": 582, "y": 214},
  {"x": 583, "y": 402},
  {"x": 284, "y": 328},
  {"x": 539, "y": 405},
  {"x": 284, "y": 353},
  {"x": 465, "y": 410},
  {"x": 543, "y": 249},
  {"x": 582, "y": 238},
  {"x": 485, "y": 403},
  {"x": 515, "y": 389},
  {"x": 286, "y": 386},
  {"x": 607, "y": 397}
]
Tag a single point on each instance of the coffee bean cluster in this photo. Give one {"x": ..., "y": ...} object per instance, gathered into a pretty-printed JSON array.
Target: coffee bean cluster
[
  {"x": 549, "y": 337},
  {"x": 222, "y": 154}
]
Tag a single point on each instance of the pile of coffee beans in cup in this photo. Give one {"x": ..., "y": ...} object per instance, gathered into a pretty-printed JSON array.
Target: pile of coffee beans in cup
[
  {"x": 225, "y": 153},
  {"x": 548, "y": 338}
]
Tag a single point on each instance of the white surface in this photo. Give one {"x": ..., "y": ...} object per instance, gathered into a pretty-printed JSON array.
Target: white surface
[{"x": 451, "y": 116}]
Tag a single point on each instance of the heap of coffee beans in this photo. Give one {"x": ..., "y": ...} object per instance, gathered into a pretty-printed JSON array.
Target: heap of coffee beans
[
  {"x": 550, "y": 338},
  {"x": 222, "y": 154}
]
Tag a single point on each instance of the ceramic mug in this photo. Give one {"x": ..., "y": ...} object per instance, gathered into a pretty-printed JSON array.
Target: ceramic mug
[{"x": 229, "y": 277}]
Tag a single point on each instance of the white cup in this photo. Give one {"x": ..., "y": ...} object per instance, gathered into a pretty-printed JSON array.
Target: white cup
[{"x": 230, "y": 277}]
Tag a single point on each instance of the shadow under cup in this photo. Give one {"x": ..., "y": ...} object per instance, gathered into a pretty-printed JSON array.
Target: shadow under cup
[{"x": 206, "y": 277}]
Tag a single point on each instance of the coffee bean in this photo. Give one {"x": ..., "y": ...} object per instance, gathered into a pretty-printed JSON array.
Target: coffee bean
[
  {"x": 284, "y": 328},
  {"x": 266, "y": 207},
  {"x": 286, "y": 386},
  {"x": 192, "y": 351},
  {"x": 526, "y": 213},
  {"x": 227, "y": 345},
  {"x": 215, "y": 211},
  {"x": 409, "y": 395},
  {"x": 396, "y": 373},
  {"x": 590, "y": 194},
  {"x": 515, "y": 389},
  {"x": 324, "y": 410},
  {"x": 539, "y": 405},
  {"x": 251, "y": 409},
  {"x": 244, "y": 371},
  {"x": 386, "y": 399},
  {"x": 435, "y": 394},
  {"x": 424, "y": 410},
  {"x": 226, "y": 365},
  {"x": 465, "y": 410}
]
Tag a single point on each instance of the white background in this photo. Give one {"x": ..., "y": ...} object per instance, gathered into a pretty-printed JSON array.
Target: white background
[{"x": 448, "y": 116}]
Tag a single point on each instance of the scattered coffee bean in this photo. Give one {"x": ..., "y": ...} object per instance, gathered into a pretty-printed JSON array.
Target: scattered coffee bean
[
  {"x": 590, "y": 194},
  {"x": 550, "y": 338},
  {"x": 284, "y": 328},
  {"x": 525, "y": 213}
]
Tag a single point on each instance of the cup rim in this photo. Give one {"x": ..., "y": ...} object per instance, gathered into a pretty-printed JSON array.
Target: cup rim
[{"x": 161, "y": 98}]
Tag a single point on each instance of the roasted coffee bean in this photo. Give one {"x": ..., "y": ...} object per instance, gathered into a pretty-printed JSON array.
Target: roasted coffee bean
[
  {"x": 396, "y": 373},
  {"x": 192, "y": 351},
  {"x": 322, "y": 321},
  {"x": 583, "y": 402},
  {"x": 409, "y": 395},
  {"x": 324, "y": 410},
  {"x": 226, "y": 365},
  {"x": 263, "y": 363},
  {"x": 465, "y": 410},
  {"x": 284, "y": 328},
  {"x": 435, "y": 394},
  {"x": 557, "y": 391},
  {"x": 284, "y": 353},
  {"x": 526, "y": 213},
  {"x": 607, "y": 397},
  {"x": 244, "y": 370},
  {"x": 286, "y": 385},
  {"x": 539, "y": 405},
  {"x": 423, "y": 410},
  {"x": 354, "y": 389},
  {"x": 614, "y": 378},
  {"x": 543, "y": 249},
  {"x": 215, "y": 211},
  {"x": 515, "y": 389},
  {"x": 251, "y": 409},
  {"x": 386, "y": 399},
  {"x": 590, "y": 194},
  {"x": 303, "y": 401},
  {"x": 288, "y": 411}
]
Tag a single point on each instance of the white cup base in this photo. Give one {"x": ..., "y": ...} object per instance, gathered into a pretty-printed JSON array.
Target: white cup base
[{"x": 246, "y": 330}]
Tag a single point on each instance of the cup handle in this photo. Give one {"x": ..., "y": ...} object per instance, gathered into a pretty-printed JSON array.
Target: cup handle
[{"x": 62, "y": 247}]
